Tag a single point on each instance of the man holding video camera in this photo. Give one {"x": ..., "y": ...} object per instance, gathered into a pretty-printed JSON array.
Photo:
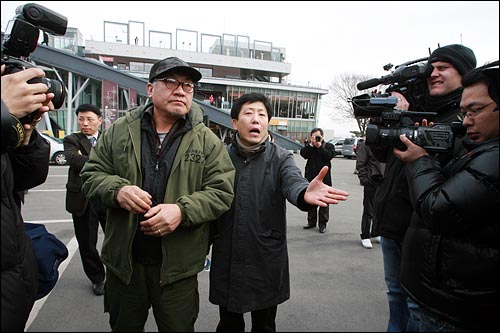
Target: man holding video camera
[
  {"x": 25, "y": 164},
  {"x": 318, "y": 154},
  {"x": 393, "y": 206},
  {"x": 450, "y": 252}
]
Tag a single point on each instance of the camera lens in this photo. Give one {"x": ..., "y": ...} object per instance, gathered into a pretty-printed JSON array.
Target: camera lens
[{"x": 55, "y": 87}]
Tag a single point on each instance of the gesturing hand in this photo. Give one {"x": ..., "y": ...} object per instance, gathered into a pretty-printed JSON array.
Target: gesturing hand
[
  {"x": 320, "y": 194},
  {"x": 134, "y": 199}
]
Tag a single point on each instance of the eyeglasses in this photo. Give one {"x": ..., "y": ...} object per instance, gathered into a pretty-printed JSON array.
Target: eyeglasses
[
  {"x": 173, "y": 84},
  {"x": 471, "y": 113}
]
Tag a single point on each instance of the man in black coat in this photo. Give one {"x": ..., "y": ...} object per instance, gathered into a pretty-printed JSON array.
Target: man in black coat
[
  {"x": 87, "y": 215},
  {"x": 25, "y": 164},
  {"x": 393, "y": 209},
  {"x": 249, "y": 271},
  {"x": 450, "y": 252},
  {"x": 318, "y": 154}
]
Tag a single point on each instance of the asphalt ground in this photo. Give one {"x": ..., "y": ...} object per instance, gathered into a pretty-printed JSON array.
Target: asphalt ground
[{"x": 336, "y": 284}]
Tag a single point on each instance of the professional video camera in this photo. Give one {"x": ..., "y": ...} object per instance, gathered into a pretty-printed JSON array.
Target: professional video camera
[
  {"x": 393, "y": 122},
  {"x": 409, "y": 79},
  {"x": 20, "y": 40}
]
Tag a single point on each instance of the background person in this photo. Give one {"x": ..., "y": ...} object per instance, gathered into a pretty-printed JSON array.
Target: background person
[
  {"x": 450, "y": 251},
  {"x": 393, "y": 208},
  {"x": 162, "y": 175},
  {"x": 318, "y": 154},
  {"x": 249, "y": 271},
  {"x": 87, "y": 215},
  {"x": 370, "y": 174},
  {"x": 24, "y": 165}
]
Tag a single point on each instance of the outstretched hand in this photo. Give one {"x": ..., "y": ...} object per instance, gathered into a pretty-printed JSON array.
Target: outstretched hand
[{"x": 320, "y": 194}]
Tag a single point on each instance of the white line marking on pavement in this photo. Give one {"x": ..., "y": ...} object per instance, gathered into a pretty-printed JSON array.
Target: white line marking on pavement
[
  {"x": 59, "y": 190},
  {"x": 72, "y": 248},
  {"x": 50, "y": 221}
]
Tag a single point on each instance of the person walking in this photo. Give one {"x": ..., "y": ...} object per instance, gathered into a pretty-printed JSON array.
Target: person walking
[
  {"x": 249, "y": 270},
  {"x": 87, "y": 215},
  {"x": 318, "y": 154},
  {"x": 163, "y": 176}
]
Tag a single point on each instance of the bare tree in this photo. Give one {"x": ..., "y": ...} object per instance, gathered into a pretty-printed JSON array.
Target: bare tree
[{"x": 338, "y": 100}]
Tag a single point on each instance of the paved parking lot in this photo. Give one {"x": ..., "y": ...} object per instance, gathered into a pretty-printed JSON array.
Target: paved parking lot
[{"x": 336, "y": 285}]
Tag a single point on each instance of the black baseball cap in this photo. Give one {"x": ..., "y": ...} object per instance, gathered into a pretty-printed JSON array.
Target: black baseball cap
[{"x": 173, "y": 65}]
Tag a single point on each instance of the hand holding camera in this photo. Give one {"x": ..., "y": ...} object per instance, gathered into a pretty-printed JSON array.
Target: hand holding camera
[{"x": 316, "y": 141}]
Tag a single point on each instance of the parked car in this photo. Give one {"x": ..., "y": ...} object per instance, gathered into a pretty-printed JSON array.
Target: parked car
[
  {"x": 338, "y": 145},
  {"x": 349, "y": 147},
  {"x": 57, "y": 155}
]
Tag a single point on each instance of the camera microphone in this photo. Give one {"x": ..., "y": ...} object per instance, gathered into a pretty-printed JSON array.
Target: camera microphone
[{"x": 368, "y": 84}]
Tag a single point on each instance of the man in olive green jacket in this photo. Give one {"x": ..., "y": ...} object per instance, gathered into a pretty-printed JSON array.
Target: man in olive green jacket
[{"x": 163, "y": 175}]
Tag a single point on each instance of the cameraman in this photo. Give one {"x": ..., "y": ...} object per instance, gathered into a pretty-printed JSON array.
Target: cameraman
[
  {"x": 393, "y": 209},
  {"x": 450, "y": 252},
  {"x": 318, "y": 153},
  {"x": 25, "y": 164}
]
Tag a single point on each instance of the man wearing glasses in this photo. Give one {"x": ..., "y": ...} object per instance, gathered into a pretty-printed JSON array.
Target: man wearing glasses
[
  {"x": 393, "y": 207},
  {"x": 450, "y": 253},
  {"x": 163, "y": 175}
]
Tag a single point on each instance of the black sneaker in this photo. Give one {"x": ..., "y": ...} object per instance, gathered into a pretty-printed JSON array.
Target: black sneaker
[
  {"x": 322, "y": 229},
  {"x": 98, "y": 288},
  {"x": 308, "y": 226}
]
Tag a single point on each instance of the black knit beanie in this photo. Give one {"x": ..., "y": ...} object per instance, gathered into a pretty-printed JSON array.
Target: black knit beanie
[{"x": 461, "y": 57}]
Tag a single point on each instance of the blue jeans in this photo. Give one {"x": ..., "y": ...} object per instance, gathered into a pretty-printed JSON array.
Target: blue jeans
[{"x": 403, "y": 312}]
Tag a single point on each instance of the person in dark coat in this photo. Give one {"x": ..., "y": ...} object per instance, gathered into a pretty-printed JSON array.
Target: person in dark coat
[
  {"x": 24, "y": 165},
  {"x": 249, "y": 270},
  {"x": 450, "y": 251},
  {"x": 318, "y": 154},
  {"x": 393, "y": 208},
  {"x": 87, "y": 215},
  {"x": 370, "y": 174}
]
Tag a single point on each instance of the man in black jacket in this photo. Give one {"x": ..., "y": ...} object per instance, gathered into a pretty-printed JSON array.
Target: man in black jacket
[
  {"x": 249, "y": 271},
  {"x": 87, "y": 215},
  {"x": 318, "y": 154},
  {"x": 393, "y": 207},
  {"x": 450, "y": 251},
  {"x": 25, "y": 164}
]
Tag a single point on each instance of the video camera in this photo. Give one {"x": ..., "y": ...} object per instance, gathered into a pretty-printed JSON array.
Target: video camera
[
  {"x": 409, "y": 79},
  {"x": 20, "y": 40},
  {"x": 393, "y": 122}
]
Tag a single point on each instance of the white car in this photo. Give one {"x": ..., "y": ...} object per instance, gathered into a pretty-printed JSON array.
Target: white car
[{"x": 57, "y": 155}]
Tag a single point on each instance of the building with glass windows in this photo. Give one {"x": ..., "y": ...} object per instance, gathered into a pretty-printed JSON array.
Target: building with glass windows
[{"x": 231, "y": 65}]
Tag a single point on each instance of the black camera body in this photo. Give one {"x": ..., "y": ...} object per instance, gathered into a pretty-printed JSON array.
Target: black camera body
[
  {"x": 20, "y": 40},
  {"x": 391, "y": 123},
  {"x": 408, "y": 79},
  {"x": 318, "y": 138}
]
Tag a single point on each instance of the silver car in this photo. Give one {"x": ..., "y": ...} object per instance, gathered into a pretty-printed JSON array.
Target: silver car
[
  {"x": 57, "y": 155},
  {"x": 349, "y": 147}
]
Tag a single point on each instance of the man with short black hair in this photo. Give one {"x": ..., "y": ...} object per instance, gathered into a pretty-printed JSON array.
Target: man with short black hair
[
  {"x": 318, "y": 154},
  {"x": 163, "y": 176},
  {"x": 450, "y": 253},
  {"x": 86, "y": 214}
]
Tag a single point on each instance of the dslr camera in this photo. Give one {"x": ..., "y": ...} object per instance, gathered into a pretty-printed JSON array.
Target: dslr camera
[
  {"x": 393, "y": 122},
  {"x": 317, "y": 138},
  {"x": 20, "y": 40}
]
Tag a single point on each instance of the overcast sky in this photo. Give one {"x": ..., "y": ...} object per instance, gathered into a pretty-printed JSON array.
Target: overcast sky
[{"x": 322, "y": 39}]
